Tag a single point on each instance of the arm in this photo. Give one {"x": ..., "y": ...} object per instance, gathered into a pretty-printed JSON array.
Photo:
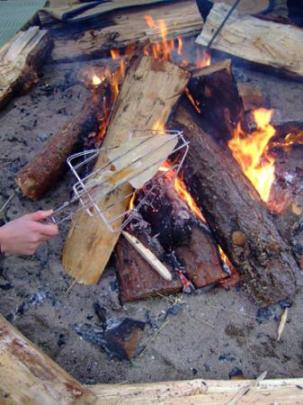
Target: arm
[{"x": 24, "y": 235}]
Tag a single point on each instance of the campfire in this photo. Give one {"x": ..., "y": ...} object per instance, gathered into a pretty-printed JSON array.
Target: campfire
[
  {"x": 228, "y": 213},
  {"x": 188, "y": 209}
]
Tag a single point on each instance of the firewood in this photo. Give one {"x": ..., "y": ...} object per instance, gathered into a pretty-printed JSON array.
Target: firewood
[
  {"x": 137, "y": 279},
  {"x": 168, "y": 227},
  {"x": 216, "y": 96},
  {"x": 148, "y": 94},
  {"x": 184, "y": 236},
  {"x": 20, "y": 60},
  {"x": 129, "y": 28},
  {"x": 47, "y": 166},
  {"x": 78, "y": 13},
  {"x": 238, "y": 218},
  {"x": 251, "y": 96},
  {"x": 271, "y": 44},
  {"x": 28, "y": 376}
]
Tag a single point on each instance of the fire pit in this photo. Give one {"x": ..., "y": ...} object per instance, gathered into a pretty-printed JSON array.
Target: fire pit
[{"x": 227, "y": 228}]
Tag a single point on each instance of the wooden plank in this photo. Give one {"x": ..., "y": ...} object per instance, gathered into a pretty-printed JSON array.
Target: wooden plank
[
  {"x": 200, "y": 392},
  {"x": 182, "y": 18},
  {"x": 20, "y": 60},
  {"x": 239, "y": 220},
  {"x": 148, "y": 94},
  {"x": 27, "y": 376},
  {"x": 274, "y": 45}
]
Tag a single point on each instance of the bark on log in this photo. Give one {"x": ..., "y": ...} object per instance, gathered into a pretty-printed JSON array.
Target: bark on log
[
  {"x": 28, "y": 376},
  {"x": 148, "y": 94},
  {"x": 216, "y": 95},
  {"x": 20, "y": 60},
  {"x": 274, "y": 45},
  {"x": 182, "y": 18},
  {"x": 48, "y": 165},
  {"x": 239, "y": 220}
]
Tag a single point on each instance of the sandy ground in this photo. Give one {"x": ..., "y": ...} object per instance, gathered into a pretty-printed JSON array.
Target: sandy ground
[{"x": 212, "y": 333}]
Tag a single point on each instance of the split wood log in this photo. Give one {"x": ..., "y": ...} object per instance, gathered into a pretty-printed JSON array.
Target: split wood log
[
  {"x": 148, "y": 94},
  {"x": 182, "y": 18},
  {"x": 238, "y": 218},
  {"x": 56, "y": 11},
  {"x": 203, "y": 392},
  {"x": 271, "y": 44},
  {"x": 20, "y": 60},
  {"x": 28, "y": 376},
  {"x": 216, "y": 98},
  {"x": 48, "y": 165}
]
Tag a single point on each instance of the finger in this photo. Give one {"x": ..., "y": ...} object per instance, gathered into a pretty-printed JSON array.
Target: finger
[
  {"x": 46, "y": 229},
  {"x": 40, "y": 215}
]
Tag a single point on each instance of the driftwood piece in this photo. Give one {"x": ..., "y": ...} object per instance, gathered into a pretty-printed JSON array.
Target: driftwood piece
[
  {"x": 148, "y": 94},
  {"x": 30, "y": 377},
  {"x": 267, "y": 43},
  {"x": 48, "y": 165},
  {"x": 216, "y": 96},
  {"x": 182, "y": 18},
  {"x": 238, "y": 218},
  {"x": 20, "y": 60}
]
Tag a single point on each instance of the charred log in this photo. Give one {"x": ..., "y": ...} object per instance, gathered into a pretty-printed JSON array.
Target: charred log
[
  {"x": 181, "y": 241},
  {"x": 239, "y": 220},
  {"x": 216, "y": 96}
]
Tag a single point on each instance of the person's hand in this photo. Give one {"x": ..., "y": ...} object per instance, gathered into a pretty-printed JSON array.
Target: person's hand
[{"x": 24, "y": 235}]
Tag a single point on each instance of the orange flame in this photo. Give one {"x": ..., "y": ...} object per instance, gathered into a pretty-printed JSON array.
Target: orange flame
[
  {"x": 162, "y": 50},
  {"x": 251, "y": 152},
  {"x": 181, "y": 190}
]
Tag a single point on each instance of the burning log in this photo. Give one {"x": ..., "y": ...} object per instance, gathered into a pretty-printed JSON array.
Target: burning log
[
  {"x": 20, "y": 60},
  {"x": 148, "y": 94},
  {"x": 48, "y": 165},
  {"x": 238, "y": 218},
  {"x": 130, "y": 28},
  {"x": 271, "y": 44},
  {"x": 171, "y": 230},
  {"x": 216, "y": 97}
]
